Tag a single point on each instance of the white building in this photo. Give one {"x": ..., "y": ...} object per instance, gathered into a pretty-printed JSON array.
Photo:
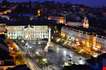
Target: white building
[{"x": 29, "y": 33}]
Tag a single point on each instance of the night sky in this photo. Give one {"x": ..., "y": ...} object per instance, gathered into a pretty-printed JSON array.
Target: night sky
[{"x": 94, "y": 3}]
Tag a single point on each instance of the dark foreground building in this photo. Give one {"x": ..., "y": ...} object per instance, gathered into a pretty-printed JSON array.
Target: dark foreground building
[
  {"x": 5, "y": 58},
  {"x": 19, "y": 67},
  {"x": 77, "y": 67}
]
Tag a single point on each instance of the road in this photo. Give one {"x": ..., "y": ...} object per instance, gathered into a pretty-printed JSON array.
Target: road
[{"x": 27, "y": 59}]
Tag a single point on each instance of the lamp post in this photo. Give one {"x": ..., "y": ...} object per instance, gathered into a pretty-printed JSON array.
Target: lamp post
[{"x": 49, "y": 41}]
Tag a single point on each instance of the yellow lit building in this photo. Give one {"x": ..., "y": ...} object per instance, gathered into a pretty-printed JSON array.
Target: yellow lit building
[
  {"x": 61, "y": 20},
  {"x": 85, "y": 23},
  {"x": 2, "y": 28}
]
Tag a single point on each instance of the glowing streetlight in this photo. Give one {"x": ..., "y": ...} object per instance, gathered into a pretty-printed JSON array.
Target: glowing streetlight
[
  {"x": 38, "y": 12},
  {"x": 64, "y": 53},
  {"x": 81, "y": 61},
  {"x": 95, "y": 54},
  {"x": 49, "y": 18},
  {"x": 66, "y": 64},
  {"x": 37, "y": 53}
]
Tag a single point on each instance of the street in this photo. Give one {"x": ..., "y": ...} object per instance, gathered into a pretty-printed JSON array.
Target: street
[{"x": 56, "y": 56}]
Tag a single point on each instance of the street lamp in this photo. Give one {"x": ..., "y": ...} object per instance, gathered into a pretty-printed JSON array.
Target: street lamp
[{"x": 38, "y": 12}]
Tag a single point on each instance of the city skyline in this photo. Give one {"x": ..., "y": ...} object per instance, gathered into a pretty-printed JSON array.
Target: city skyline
[{"x": 93, "y": 3}]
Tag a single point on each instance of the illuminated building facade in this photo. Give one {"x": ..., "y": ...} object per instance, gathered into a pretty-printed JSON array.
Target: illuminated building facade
[
  {"x": 59, "y": 19},
  {"x": 15, "y": 31},
  {"x": 29, "y": 33},
  {"x": 2, "y": 28}
]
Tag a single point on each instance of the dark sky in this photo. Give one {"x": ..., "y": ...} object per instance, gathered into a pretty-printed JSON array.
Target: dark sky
[{"x": 93, "y": 3}]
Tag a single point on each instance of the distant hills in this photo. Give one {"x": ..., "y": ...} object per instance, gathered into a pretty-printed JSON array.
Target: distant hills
[{"x": 91, "y": 3}]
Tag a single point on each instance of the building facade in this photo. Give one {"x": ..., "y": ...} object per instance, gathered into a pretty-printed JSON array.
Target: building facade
[{"x": 27, "y": 33}]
